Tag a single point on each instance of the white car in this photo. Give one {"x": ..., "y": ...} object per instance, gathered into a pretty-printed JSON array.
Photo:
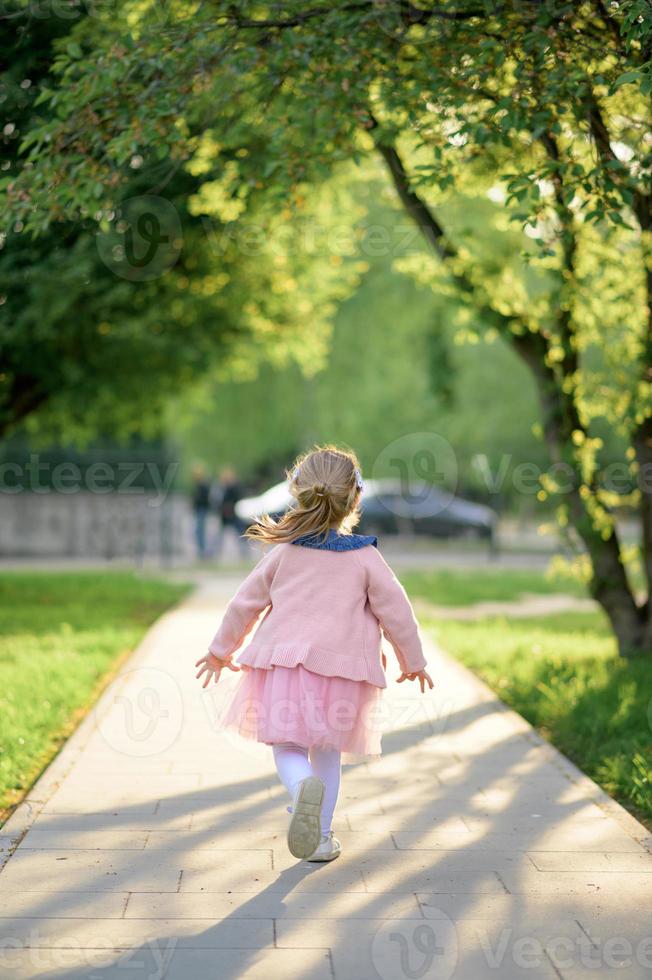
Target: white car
[{"x": 274, "y": 501}]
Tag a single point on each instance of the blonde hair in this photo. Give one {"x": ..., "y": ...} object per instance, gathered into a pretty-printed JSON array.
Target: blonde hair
[{"x": 324, "y": 482}]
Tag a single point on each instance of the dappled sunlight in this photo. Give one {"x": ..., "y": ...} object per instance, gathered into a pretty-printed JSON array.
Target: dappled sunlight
[{"x": 467, "y": 821}]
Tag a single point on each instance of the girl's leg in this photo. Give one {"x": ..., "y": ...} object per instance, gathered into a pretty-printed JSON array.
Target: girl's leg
[
  {"x": 292, "y": 765},
  {"x": 326, "y": 764}
]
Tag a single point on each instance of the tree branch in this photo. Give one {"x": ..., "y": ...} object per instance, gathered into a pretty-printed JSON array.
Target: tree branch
[
  {"x": 295, "y": 21},
  {"x": 415, "y": 206},
  {"x": 569, "y": 250},
  {"x": 598, "y": 128},
  {"x": 408, "y": 14},
  {"x": 602, "y": 140},
  {"x": 25, "y": 395},
  {"x": 610, "y": 24}
]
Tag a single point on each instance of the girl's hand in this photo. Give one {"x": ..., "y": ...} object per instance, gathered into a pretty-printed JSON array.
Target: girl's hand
[
  {"x": 212, "y": 666},
  {"x": 421, "y": 675}
]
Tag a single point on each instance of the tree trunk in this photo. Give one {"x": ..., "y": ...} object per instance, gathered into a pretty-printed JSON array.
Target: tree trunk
[
  {"x": 643, "y": 447},
  {"x": 609, "y": 584},
  {"x": 642, "y": 442},
  {"x": 25, "y": 395}
]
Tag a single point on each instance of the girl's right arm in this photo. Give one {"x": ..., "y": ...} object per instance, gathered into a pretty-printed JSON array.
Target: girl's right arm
[{"x": 245, "y": 607}]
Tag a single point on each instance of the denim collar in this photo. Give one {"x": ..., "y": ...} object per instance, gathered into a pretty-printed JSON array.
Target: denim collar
[{"x": 337, "y": 542}]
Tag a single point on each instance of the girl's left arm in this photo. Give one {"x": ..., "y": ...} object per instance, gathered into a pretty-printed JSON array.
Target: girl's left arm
[
  {"x": 393, "y": 610},
  {"x": 245, "y": 607}
]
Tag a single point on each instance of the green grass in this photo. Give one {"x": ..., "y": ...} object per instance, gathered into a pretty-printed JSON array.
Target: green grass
[
  {"x": 62, "y": 636},
  {"x": 563, "y": 674},
  {"x": 463, "y": 587}
]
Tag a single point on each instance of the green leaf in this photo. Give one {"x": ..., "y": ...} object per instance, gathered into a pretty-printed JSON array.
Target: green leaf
[{"x": 626, "y": 79}]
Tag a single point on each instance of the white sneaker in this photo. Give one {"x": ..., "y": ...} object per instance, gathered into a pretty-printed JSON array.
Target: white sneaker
[
  {"x": 304, "y": 832},
  {"x": 329, "y": 848}
]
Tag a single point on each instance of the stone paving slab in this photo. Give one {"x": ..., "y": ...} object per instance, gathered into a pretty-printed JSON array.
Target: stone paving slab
[
  {"x": 85, "y": 840},
  {"x": 91, "y": 870},
  {"x": 60, "y": 904},
  {"x": 218, "y": 880},
  {"x": 154, "y": 845},
  {"x": 602, "y": 839},
  {"x": 411, "y": 865},
  {"x": 359, "y": 946},
  {"x": 578, "y": 883},
  {"x": 237, "y": 839},
  {"x": 399, "y": 821},
  {"x": 293, "y": 904},
  {"x": 591, "y": 861},
  {"x": 171, "y": 963},
  {"x": 74, "y": 824},
  {"x": 122, "y": 933}
]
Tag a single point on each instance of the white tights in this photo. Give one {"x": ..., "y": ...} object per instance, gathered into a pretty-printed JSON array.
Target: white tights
[{"x": 294, "y": 763}]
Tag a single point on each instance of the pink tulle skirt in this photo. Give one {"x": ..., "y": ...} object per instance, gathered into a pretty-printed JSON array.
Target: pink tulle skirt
[{"x": 293, "y": 704}]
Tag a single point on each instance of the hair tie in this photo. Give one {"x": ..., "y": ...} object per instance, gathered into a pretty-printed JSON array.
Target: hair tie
[{"x": 359, "y": 482}]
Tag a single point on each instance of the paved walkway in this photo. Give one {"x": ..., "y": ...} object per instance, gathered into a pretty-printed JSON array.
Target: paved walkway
[{"x": 154, "y": 847}]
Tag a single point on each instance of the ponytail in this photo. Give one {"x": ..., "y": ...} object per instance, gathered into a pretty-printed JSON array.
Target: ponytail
[{"x": 325, "y": 483}]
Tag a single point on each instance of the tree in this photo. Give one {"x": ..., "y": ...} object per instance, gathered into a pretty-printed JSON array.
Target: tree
[
  {"x": 100, "y": 324},
  {"x": 551, "y": 98}
]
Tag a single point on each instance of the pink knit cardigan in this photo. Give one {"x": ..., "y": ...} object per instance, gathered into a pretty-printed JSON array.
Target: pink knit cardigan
[{"x": 324, "y": 609}]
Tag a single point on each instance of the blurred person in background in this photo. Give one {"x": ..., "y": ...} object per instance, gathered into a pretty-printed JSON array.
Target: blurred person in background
[
  {"x": 228, "y": 492},
  {"x": 201, "y": 490}
]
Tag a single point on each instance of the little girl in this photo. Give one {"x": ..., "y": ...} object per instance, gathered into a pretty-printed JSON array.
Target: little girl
[{"x": 313, "y": 673}]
